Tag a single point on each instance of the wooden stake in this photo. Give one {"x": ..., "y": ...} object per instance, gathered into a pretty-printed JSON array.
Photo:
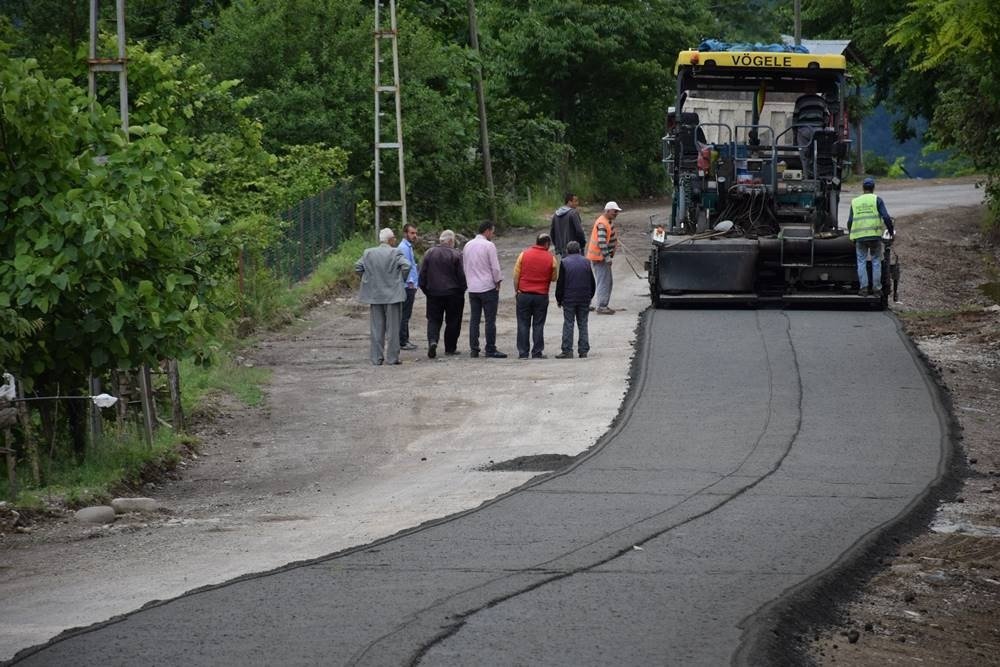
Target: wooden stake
[
  {"x": 11, "y": 464},
  {"x": 174, "y": 379},
  {"x": 96, "y": 427},
  {"x": 148, "y": 416}
]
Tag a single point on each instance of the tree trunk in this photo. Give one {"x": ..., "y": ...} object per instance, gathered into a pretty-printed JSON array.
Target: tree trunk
[{"x": 174, "y": 378}]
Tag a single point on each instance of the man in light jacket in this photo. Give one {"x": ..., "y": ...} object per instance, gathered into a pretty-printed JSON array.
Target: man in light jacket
[{"x": 382, "y": 270}]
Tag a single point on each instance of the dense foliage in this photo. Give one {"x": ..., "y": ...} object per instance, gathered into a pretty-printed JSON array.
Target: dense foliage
[
  {"x": 101, "y": 237},
  {"x": 930, "y": 60},
  {"x": 119, "y": 250}
]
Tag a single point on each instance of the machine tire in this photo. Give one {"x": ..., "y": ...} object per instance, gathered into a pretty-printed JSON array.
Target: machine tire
[
  {"x": 701, "y": 222},
  {"x": 883, "y": 303},
  {"x": 654, "y": 277}
]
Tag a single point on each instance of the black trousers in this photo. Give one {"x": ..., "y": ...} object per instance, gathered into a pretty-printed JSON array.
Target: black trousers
[
  {"x": 483, "y": 305},
  {"x": 447, "y": 309},
  {"x": 531, "y": 311}
]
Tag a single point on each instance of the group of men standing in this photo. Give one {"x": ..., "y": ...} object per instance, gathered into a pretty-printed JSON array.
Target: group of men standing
[{"x": 390, "y": 278}]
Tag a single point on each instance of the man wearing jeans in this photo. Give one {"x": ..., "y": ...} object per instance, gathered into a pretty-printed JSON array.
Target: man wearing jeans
[
  {"x": 406, "y": 247},
  {"x": 534, "y": 271},
  {"x": 600, "y": 252},
  {"x": 574, "y": 289},
  {"x": 864, "y": 222},
  {"x": 483, "y": 276}
]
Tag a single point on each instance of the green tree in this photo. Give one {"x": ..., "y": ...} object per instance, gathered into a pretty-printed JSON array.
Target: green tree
[
  {"x": 964, "y": 104},
  {"x": 101, "y": 238},
  {"x": 604, "y": 70}
]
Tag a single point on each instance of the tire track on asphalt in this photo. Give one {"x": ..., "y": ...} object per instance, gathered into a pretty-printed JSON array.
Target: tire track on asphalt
[
  {"x": 449, "y": 613},
  {"x": 460, "y": 619},
  {"x": 766, "y": 631}
]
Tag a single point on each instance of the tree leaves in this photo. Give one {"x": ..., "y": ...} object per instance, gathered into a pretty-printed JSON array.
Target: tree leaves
[{"x": 83, "y": 263}]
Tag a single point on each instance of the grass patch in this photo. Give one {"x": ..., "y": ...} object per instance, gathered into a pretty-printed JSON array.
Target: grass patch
[
  {"x": 522, "y": 216},
  {"x": 116, "y": 463},
  {"x": 334, "y": 273},
  {"x": 222, "y": 376}
]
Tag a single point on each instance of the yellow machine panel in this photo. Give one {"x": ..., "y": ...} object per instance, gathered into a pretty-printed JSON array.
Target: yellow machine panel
[{"x": 760, "y": 59}]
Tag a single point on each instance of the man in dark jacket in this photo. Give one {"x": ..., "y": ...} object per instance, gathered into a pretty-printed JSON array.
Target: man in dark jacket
[
  {"x": 566, "y": 225},
  {"x": 442, "y": 280},
  {"x": 574, "y": 290}
]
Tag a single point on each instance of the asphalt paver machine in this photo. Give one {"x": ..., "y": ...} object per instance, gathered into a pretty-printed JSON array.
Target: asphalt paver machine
[{"x": 755, "y": 148}]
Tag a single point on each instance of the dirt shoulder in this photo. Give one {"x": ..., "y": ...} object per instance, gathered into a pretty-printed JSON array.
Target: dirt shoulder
[
  {"x": 342, "y": 453},
  {"x": 936, "y": 598}
]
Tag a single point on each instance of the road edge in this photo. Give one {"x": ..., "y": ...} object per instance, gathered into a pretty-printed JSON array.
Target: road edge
[{"x": 776, "y": 634}]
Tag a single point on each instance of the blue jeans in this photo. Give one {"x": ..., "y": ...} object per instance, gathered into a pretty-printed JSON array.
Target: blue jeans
[
  {"x": 531, "y": 311},
  {"x": 404, "y": 322},
  {"x": 576, "y": 312},
  {"x": 861, "y": 248}
]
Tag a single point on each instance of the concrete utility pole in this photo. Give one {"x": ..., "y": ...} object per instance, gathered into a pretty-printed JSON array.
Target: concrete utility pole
[
  {"x": 484, "y": 134},
  {"x": 382, "y": 88}
]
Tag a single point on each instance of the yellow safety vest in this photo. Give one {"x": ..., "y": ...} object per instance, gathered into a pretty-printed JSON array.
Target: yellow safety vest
[{"x": 865, "y": 220}]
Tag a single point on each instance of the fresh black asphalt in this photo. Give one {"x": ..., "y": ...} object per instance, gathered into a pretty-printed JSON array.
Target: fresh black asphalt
[{"x": 755, "y": 451}]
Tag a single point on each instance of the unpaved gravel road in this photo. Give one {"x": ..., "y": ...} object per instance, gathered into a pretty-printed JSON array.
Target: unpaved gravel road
[{"x": 343, "y": 454}]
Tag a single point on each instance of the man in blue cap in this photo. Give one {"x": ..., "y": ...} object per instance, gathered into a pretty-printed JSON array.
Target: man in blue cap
[{"x": 864, "y": 223}]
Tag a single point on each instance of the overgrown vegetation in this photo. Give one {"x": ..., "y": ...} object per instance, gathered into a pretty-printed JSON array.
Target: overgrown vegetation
[
  {"x": 119, "y": 462},
  {"x": 937, "y": 60},
  {"x": 122, "y": 249}
]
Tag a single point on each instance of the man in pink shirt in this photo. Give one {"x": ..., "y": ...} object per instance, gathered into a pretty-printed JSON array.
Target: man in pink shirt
[{"x": 483, "y": 276}]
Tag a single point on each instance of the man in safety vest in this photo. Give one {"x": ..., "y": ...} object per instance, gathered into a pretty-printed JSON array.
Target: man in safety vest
[
  {"x": 865, "y": 222},
  {"x": 600, "y": 252}
]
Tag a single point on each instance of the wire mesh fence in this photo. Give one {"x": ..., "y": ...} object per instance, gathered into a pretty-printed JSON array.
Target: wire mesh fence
[{"x": 313, "y": 229}]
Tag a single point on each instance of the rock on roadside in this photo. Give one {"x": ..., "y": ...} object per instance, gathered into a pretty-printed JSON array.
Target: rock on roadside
[
  {"x": 96, "y": 514},
  {"x": 124, "y": 505}
]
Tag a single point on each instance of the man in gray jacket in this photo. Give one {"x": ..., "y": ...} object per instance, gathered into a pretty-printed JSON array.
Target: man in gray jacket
[{"x": 382, "y": 270}]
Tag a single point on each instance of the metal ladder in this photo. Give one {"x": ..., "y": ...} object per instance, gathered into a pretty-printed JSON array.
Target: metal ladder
[
  {"x": 381, "y": 89},
  {"x": 95, "y": 64}
]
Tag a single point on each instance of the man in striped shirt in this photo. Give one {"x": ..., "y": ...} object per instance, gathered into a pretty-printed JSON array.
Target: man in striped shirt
[{"x": 600, "y": 252}]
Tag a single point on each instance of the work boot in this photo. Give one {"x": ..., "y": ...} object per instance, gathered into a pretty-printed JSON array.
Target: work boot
[
  {"x": 564, "y": 355},
  {"x": 604, "y": 310},
  {"x": 432, "y": 350},
  {"x": 863, "y": 291},
  {"x": 496, "y": 354}
]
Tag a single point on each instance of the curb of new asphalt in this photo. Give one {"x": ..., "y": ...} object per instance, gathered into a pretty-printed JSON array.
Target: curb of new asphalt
[{"x": 779, "y": 633}]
